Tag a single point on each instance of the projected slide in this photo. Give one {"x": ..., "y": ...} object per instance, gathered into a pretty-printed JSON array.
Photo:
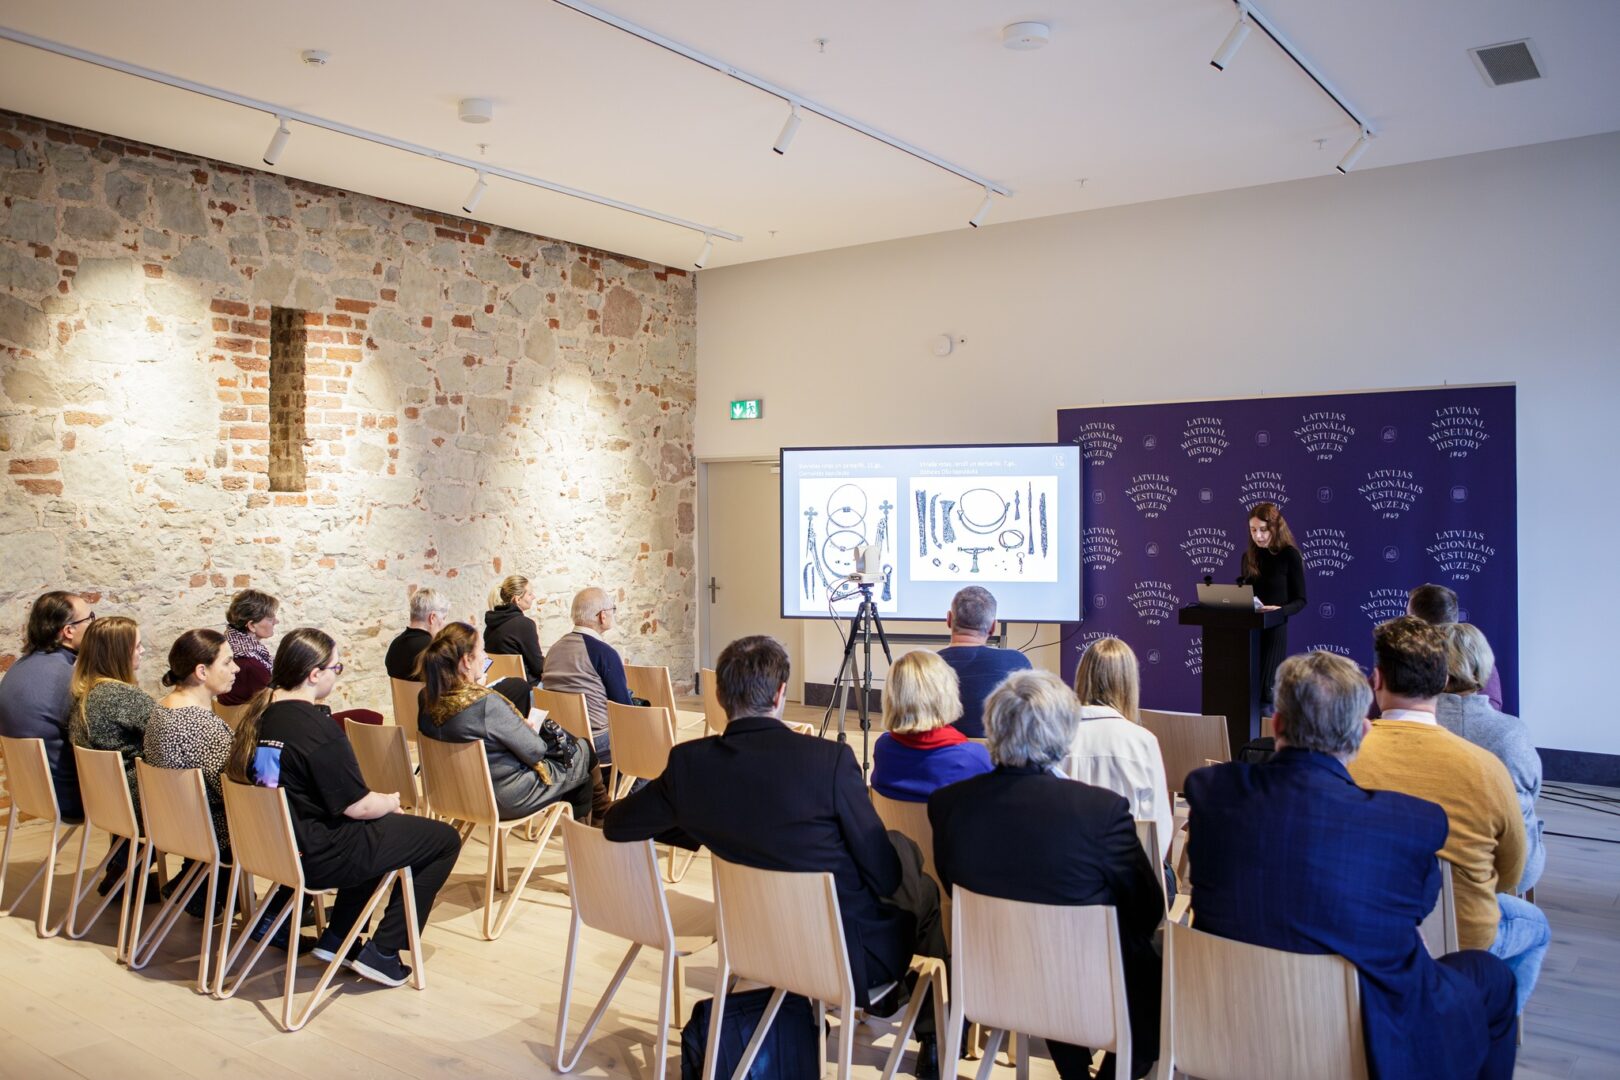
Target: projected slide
[{"x": 1005, "y": 517}]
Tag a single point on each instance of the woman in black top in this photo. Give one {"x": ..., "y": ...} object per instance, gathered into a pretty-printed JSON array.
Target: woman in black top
[
  {"x": 508, "y": 630},
  {"x": 1273, "y": 565},
  {"x": 348, "y": 835}
]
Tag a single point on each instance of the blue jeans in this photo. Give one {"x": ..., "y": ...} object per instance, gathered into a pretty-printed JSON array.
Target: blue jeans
[{"x": 1521, "y": 941}]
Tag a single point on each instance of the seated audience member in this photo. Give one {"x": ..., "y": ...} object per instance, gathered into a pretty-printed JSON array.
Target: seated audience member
[
  {"x": 1437, "y": 606},
  {"x": 1111, "y": 749},
  {"x": 249, "y": 623},
  {"x": 761, "y": 795},
  {"x": 1353, "y": 873},
  {"x": 582, "y": 662},
  {"x": 979, "y": 668},
  {"x": 527, "y": 771},
  {"x": 1463, "y": 710},
  {"x": 920, "y": 750},
  {"x": 348, "y": 836},
  {"x": 109, "y": 711},
  {"x": 1408, "y": 751},
  {"x": 429, "y": 610},
  {"x": 508, "y": 630},
  {"x": 1022, "y": 832},
  {"x": 36, "y": 695},
  {"x": 185, "y": 732}
]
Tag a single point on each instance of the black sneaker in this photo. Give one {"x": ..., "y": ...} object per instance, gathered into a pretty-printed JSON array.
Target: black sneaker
[
  {"x": 283, "y": 936},
  {"x": 387, "y": 970},
  {"x": 927, "y": 1059},
  {"x": 326, "y": 948}
]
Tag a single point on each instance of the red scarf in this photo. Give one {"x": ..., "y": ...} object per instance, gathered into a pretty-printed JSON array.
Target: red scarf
[{"x": 929, "y": 740}]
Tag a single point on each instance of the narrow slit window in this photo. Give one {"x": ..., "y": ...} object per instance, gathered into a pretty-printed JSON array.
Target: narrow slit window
[{"x": 288, "y": 402}]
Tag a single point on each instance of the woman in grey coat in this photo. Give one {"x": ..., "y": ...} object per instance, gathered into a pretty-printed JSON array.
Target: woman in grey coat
[{"x": 531, "y": 766}]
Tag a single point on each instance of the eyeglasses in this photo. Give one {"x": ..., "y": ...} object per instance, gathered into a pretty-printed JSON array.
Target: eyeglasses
[
  {"x": 335, "y": 669},
  {"x": 88, "y": 618}
]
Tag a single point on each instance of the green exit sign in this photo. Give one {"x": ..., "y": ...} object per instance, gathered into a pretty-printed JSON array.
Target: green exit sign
[{"x": 748, "y": 410}]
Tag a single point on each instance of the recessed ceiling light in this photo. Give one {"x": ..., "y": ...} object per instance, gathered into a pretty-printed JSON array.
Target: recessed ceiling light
[
  {"x": 1025, "y": 36},
  {"x": 316, "y": 57},
  {"x": 476, "y": 110}
]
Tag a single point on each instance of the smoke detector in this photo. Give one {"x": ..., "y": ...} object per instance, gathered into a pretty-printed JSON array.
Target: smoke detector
[
  {"x": 476, "y": 110},
  {"x": 315, "y": 57},
  {"x": 1025, "y": 36}
]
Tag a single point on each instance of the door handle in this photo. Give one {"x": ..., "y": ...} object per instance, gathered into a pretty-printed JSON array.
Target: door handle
[{"x": 714, "y": 587}]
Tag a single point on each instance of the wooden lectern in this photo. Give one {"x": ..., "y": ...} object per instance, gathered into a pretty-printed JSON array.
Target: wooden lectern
[{"x": 1232, "y": 665}]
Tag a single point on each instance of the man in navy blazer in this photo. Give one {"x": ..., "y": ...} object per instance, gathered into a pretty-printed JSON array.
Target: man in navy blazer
[
  {"x": 762, "y": 795},
  {"x": 1292, "y": 855}
]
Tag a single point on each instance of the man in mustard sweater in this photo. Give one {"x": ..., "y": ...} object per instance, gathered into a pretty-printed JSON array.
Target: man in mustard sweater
[{"x": 1407, "y": 751}]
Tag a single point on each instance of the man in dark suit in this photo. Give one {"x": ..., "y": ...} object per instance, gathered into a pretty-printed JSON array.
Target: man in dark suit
[
  {"x": 764, "y": 796},
  {"x": 1292, "y": 855},
  {"x": 1023, "y": 832}
]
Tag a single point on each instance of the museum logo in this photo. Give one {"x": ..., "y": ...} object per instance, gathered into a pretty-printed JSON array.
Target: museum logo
[
  {"x": 1101, "y": 547},
  {"x": 1204, "y": 439},
  {"x": 1457, "y": 430},
  {"x": 1262, "y": 486},
  {"x": 1207, "y": 548},
  {"x": 1151, "y": 493},
  {"x": 1391, "y": 492},
  {"x": 1324, "y": 434},
  {"x": 1154, "y": 601},
  {"x": 1099, "y": 441},
  {"x": 1460, "y": 553},
  {"x": 1384, "y": 604},
  {"x": 1195, "y": 656},
  {"x": 1326, "y": 551}
]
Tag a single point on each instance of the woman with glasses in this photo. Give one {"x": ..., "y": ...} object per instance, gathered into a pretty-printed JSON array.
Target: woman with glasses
[{"x": 348, "y": 835}]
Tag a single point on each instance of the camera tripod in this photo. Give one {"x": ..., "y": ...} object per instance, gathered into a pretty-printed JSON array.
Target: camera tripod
[{"x": 858, "y": 673}]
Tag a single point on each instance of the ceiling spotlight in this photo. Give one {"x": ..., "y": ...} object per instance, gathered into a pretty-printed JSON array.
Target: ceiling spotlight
[
  {"x": 790, "y": 128},
  {"x": 1025, "y": 36},
  {"x": 315, "y": 57},
  {"x": 984, "y": 208},
  {"x": 1353, "y": 155},
  {"x": 1234, "y": 40},
  {"x": 470, "y": 204},
  {"x": 708, "y": 249},
  {"x": 278, "y": 141},
  {"x": 475, "y": 110}
]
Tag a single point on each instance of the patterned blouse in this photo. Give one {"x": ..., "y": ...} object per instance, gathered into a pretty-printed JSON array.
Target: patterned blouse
[
  {"x": 114, "y": 718},
  {"x": 192, "y": 737}
]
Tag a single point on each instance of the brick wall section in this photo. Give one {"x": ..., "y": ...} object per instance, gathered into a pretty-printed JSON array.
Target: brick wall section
[
  {"x": 289, "y": 396},
  {"x": 478, "y": 402}
]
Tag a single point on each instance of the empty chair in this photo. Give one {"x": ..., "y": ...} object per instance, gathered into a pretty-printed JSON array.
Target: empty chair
[
  {"x": 1439, "y": 929},
  {"x": 504, "y": 666},
  {"x": 28, "y": 775},
  {"x": 456, "y": 783},
  {"x": 653, "y": 684},
  {"x": 407, "y": 698},
  {"x": 263, "y": 845},
  {"x": 568, "y": 710},
  {"x": 616, "y": 889},
  {"x": 174, "y": 810},
  {"x": 231, "y": 714},
  {"x": 753, "y": 908},
  {"x": 1234, "y": 1011},
  {"x": 385, "y": 760},
  {"x": 1187, "y": 741},
  {"x": 108, "y": 807},
  {"x": 713, "y": 715}
]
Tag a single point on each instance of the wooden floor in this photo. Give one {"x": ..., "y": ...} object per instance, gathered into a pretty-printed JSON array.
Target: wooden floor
[{"x": 490, "y": 1008}]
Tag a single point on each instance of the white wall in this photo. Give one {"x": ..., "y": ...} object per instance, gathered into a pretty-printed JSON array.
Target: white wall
[{"x": 1501, "y": 267}]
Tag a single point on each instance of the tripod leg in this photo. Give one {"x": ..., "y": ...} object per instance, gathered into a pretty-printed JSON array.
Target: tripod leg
[{"x": 839, "y": 682}]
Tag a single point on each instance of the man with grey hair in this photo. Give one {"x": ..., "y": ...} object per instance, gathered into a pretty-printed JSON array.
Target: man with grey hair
[
  {"x": 581, "y": 662},
  {"x": 1292, "y": 855},
  {"x": 1024, "y": 832},
  {"x": 979, "y": 668},
  {"x": 429, "y": 610}
]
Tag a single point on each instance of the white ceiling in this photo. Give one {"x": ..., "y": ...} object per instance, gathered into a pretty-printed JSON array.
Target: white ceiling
[{"x": 1123, "y": 96}]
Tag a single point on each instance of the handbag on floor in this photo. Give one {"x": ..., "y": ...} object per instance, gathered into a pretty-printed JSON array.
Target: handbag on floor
[{"x": 788, "y": 1053}]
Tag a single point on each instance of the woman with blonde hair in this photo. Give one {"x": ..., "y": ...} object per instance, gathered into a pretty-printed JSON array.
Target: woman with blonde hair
[
  {"x": 920, "y": 750},
  {"x": 109, "y": 711},
  {"x": 1111, "y": 749},
  {"x": 508, "y": 630}
]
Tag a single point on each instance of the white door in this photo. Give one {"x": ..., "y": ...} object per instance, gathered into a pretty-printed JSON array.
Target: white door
[{"x": 741, "y": 564}]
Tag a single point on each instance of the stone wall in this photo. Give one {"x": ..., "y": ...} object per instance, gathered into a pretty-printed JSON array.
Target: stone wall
[{"x": 476, "y": 402}]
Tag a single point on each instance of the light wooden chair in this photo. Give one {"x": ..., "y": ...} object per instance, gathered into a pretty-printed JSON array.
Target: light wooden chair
[
  {"x": 263, "y": 845},
  {"x": 456, "y": 783},
  {"x": 1050, "y": 970},
  {"x": 1242, "y": 1012},
  {"x": 28, "y": 775},
  {"x": 174, "y": 812},
  {"x": 1439, "y": 928},
  {"x": 752, "y": 909},
  {"x": 640, "y": 739},
  {"x": 1187, "y": 740},
  {"x": 910, "y": 819},
  {"x": 231, "y": 714},
  {"x": 653, "y": 684},
  {"x": 406, "y": 696},
  {"x": 108, "y": 807},
  {"x": 714, "y": 717},
  {"x": 504, "y": 666},
  {"x": 569, "y": 710},
  {"x": 385, "y": 760},
  {"x": 1147, "y": 834},
  {"x": 616, "y": 889}
]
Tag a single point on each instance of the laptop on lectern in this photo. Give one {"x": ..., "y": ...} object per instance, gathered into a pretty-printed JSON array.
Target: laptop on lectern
[{"x": 1227, "y": 596}]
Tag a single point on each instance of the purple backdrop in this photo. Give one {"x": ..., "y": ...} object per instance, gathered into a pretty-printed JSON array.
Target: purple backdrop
[{"x": 1383, "y": 491}]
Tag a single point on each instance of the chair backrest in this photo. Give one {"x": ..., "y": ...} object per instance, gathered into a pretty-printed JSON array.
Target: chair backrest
[
  {"x": 714, "y": 717},
  {"x": 104, "y": 787},
  {"x": 1147, "y": 834},
  {"x": 616, "y": 887},
  {"x": 455, "y": 780},
  {"x": 385, "y": 759},
  {"x": 28, "y": 775},
  {"x": 1187, "y": 740},
  {"x": 909, "y": 819},
  {"x": 567, "y": 709},
  {"x": 174, "y": 809},
  {"x": 1439, "y": 928},
  {"x": 1246, "y": 1012},
  {"x": 262, "y": 840},
  {"x": 641, "y": 739},
  {"x": 652, "y": 684},
  {"x": 407, "y": 695},
  {"x": 504, "y": 666},
  {"x": 782, "y": 929},
  {"x": 1051, "y": 970},
  {"x": 231, "y": 714}
]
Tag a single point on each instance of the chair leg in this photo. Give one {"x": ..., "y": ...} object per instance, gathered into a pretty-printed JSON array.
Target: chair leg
[
  {"x": 928, "y": 971},
  {"x": 1021, "y": 1065},
  {"x": 821, "y": 1038},
  {"x": 81, "y": 890},
  {"x": 674, "y": 876},
  {"x": 846, "y": 1038},
  {"x": 680, "y": 982},
  {"x": 142, "y": 949},
  {"x": 752, "y": 1049},
  {"x": 567, "y": 1060},
  {"x": 711, "y": 1050},
  {"x": 45, "y": 873},
  {"x": 992, "y": 1045},
  {"x": 666, "y": 980},
  {"x": 548, "y": 822},
  {"x": 291, "y": 1023},
  {"x": 950, "y": 1039}
]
